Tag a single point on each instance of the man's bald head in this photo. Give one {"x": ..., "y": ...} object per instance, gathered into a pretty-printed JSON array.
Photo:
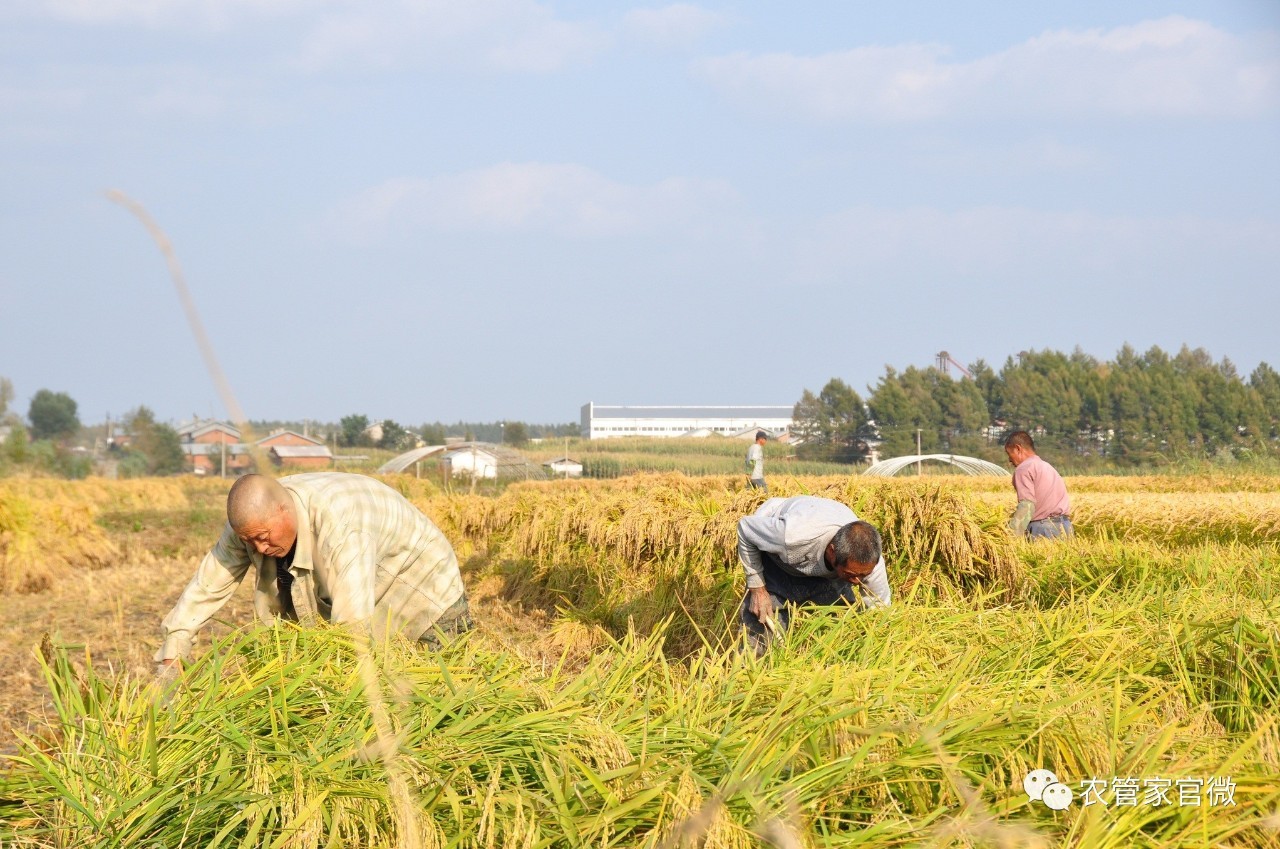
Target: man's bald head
[{"x": 253, "y": 500}]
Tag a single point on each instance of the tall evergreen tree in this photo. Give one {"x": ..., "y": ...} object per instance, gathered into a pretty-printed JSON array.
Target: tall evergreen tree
[
  {"x": 1134, "y": 409},
  {"x": 1265, "y": 383},
  {"x": 831, "y": 424}
]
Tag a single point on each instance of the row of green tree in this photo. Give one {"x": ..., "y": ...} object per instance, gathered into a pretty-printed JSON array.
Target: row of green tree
[
  {"x": 1136, "y": 409},
  {"x": 41, "y": 443}
]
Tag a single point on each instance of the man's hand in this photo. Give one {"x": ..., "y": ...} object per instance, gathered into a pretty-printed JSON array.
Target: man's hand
[
  {"x": 1021, "y": 517},
  {"x": 760, "y": 603},
  {"x": 167, "y": 673}
]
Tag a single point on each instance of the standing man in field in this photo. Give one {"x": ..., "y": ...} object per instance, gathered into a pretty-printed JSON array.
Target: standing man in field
[
  {"x": 332, "y": 546},
  {"x": 806, "y": 550},
  {"x": 1044, "y": 510},
  {"x": 755, "y": 462}
]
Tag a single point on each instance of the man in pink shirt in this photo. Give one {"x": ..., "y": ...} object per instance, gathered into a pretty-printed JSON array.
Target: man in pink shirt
[{"x": 1044, "y": 511}]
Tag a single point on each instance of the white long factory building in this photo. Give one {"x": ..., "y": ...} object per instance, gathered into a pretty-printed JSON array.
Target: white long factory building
[{"x": 605, "y": 422}]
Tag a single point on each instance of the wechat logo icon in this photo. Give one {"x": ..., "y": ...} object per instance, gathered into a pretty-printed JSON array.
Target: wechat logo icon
[{"x": 1042, "y": 785}]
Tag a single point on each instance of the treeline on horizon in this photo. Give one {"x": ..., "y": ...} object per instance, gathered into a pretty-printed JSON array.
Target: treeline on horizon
[
  {"x": 1136, "y": 409},
  {"x": 353, "y": 432}
]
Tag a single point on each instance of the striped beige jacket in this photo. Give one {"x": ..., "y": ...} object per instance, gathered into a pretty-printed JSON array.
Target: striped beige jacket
[{"x": 364, "y": 554}]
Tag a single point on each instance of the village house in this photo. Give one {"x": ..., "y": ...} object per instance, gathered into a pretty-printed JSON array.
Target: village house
[
  {"x": 289, "y": 448},
  {"x": 215, "y": 448},
  {"x": 374, "y": 432}
]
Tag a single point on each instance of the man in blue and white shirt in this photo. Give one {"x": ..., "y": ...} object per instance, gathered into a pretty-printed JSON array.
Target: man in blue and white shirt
[{"x": 806, "y": 550}]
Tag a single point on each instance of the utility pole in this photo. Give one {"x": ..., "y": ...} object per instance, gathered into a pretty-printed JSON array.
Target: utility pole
[
  {"x": 919, "y": 453},
  {"x": 474, "y": 471}
]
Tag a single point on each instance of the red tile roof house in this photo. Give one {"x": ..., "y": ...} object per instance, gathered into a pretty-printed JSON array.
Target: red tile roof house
[
  {"x": 288, "y": 448},
  {"x": 207, "y": 444}
]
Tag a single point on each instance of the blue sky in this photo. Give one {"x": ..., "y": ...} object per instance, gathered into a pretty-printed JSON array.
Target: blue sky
[{"x": 481, "y": 209}]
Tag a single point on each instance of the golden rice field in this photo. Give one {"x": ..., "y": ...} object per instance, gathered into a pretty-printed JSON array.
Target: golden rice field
[{"x": 602, "y": 700}]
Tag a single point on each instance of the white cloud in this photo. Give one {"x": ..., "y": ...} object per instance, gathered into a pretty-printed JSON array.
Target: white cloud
[
  {"x": 1172, "y": 67},
  {"x": 546, "y": 45},
  {"x": 670, "y": 26},
  {"x": 563, "y": 199},
  {"x": 869, "y": 82},
  {"x": 157, "y": 14},
  {"x": 519, "y": 35}
]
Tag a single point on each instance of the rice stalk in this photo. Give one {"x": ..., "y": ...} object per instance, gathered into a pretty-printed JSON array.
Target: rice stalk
[{"x": 41, "y": 539}]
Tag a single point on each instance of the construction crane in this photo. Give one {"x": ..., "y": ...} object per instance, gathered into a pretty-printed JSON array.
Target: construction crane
[{"x": 945, "y": 361}]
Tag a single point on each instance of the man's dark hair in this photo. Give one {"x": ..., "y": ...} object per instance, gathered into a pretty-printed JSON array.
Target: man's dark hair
[
  {"x": 760, "y": 434},
  {"x": 858, "y": 542},
  {"x": 1020, "y": 438}
]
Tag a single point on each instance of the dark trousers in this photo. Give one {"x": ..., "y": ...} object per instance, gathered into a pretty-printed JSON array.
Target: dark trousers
[
  {"x": 789, "y": 591},
  {"x": 455, "y": 620},
  {"x": 758, "y": 483}
]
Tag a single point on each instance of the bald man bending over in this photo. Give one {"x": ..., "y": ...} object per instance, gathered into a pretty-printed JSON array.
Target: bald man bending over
[{"x": 332, "y": 546}]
